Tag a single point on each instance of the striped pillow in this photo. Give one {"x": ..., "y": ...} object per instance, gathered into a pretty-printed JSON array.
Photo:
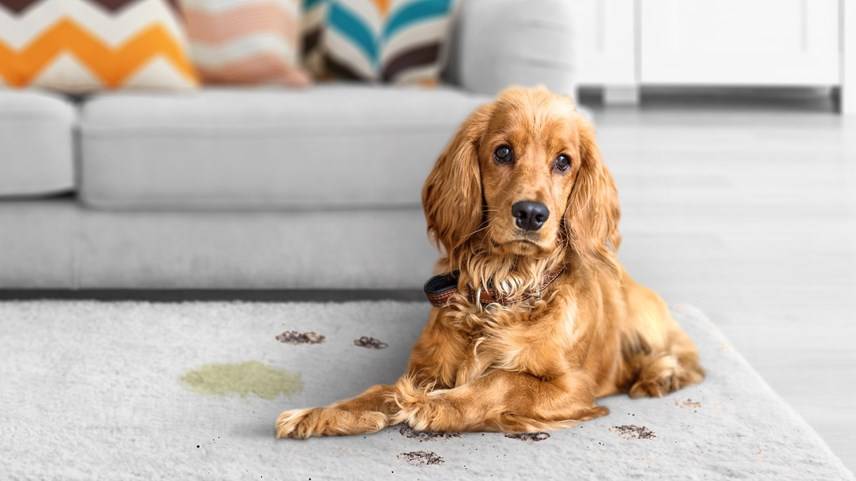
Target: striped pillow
[
  {"x": 312, "y": 28},
  {"x": 394, "y": 41},
  {"x": 245, "y": 41},
  {"x": 80, "y": 46}
]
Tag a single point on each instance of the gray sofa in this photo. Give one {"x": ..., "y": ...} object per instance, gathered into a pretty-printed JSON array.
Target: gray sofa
[{"x": 252, "y": 188}]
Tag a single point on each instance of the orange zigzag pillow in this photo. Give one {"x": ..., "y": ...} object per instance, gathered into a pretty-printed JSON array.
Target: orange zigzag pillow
[{"x": 89, "y": 45}]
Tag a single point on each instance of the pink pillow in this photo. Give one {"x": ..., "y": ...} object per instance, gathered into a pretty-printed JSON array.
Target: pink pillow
[{"x": 245, "y": 41}]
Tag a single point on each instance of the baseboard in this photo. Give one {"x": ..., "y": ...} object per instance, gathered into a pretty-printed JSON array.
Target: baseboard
[{"x": 184, "y": 295}]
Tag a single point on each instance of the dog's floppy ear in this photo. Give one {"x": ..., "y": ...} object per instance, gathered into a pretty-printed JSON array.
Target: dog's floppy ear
[
  {"x": 452, "y": 195},
  {"x": 593, "y": 210}
]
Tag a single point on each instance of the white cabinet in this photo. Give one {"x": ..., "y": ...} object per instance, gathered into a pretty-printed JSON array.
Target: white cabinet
[
  {"x": 605, "y": 32},
  {"x": 625, "y": 44},
  {"x": 739, "y": 42}
]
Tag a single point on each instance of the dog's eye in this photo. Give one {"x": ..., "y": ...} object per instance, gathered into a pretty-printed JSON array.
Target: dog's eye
[
  {"x": 563, "y": 163},
  {"x": 503, "y": 154}
]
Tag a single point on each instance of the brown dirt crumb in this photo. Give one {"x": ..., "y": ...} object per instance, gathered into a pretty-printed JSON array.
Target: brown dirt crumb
[
  {"x": 295, "y": 337},
  {"x": 409, "y": 432},
  {"x": 632, "y": 431},
  {"x": 541, "y": 436},
  {"x": 370, "y": 343},
  {"x": 688, "y": 403},
  {"x": 421, "y": 458}
]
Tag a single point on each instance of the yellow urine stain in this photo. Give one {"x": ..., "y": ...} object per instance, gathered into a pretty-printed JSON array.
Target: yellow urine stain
[{"x": 245, "y": 378}]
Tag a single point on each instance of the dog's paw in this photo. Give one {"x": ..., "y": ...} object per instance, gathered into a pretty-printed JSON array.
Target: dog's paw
[
  {"x": 424, "y": 410},
  {"x": 294, "y": 424},
  {"x": 304, "y": 423},
  {"x": 666, "y": 375}
]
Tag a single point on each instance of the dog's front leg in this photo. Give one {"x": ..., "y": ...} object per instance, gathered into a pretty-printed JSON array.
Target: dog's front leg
[
  {"x": 367, "y": 413},
  {"x": 441, "y": 350},
  {"x": 434, "y": 362},
  {"x": 499, "y": 401}
]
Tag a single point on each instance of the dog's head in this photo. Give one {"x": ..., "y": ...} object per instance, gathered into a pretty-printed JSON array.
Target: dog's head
[{"x": 523, "y": 175}]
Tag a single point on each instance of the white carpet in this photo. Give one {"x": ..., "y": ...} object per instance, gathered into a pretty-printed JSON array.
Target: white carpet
[{"x": 94, "y": 391}]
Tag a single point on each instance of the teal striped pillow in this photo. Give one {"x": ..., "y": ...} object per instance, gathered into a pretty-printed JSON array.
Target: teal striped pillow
[{"x": 392, "y": 41}]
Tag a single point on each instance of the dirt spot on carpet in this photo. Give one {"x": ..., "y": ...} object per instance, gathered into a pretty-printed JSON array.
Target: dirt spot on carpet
[
  {"x": 688, "y": 403},
  {"x": 410, "y": 433},
  {"x": 421, "y": 458},
  {"x": 296, "y": 337},
  {"x": 632, "y": 431},
  {"x": 370, "y": 343},
  {"x": 540, "y": 436},
  {"x": 244, "y": 379}
]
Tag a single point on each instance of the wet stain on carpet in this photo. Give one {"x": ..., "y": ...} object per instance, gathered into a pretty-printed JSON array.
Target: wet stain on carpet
[
  {"x": 632, "y": 431},
  {"x": 245, "y": 378},
  {"x": 540, "y": 436},
  {"x": 421, "y": 458}
]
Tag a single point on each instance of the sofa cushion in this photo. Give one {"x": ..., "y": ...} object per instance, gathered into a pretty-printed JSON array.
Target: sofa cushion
[
  {"x": 329, "y": 146},
  {"x": 532, "y": 50},
  {"x": 36, "y": 146}
]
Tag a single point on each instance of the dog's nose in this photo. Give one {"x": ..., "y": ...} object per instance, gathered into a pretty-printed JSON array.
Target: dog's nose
[{"x": 530, "y": 215}]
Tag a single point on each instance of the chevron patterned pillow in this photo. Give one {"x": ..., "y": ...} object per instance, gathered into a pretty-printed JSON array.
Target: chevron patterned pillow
[
  {"x": 245, "y": 41},
  {"x": 392, "y": 41},
  {"x": 79, "y": 46}
]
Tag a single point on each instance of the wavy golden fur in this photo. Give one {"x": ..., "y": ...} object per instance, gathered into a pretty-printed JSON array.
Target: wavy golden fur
[{"x": 540, "y": 363}]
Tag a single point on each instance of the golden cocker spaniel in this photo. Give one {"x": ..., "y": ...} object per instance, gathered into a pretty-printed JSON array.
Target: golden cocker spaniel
[{"x": 536, "y": 318}]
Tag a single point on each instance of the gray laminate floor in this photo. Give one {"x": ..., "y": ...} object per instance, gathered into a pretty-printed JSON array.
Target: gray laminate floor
[{"x": 749, "y": 212}]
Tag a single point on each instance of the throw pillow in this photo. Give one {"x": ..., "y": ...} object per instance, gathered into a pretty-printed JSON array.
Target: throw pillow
[
  {"x": 245, "y": 41},
  {"x": 394, "y": 41},
  {"x": 312, "y": 28},
  {"x": 80, "y": 46}
]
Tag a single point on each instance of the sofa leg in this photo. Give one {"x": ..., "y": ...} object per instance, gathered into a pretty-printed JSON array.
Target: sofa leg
[{"x": 624, "y": 95}]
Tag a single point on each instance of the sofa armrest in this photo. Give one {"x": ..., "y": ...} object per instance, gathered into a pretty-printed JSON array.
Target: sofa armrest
[{"x": 504, "y": 42}]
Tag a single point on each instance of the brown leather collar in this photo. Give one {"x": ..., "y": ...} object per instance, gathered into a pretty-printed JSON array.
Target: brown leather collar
[{"x": 439, "y": 289}]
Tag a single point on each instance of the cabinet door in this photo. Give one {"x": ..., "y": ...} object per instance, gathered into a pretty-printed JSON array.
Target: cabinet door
[
  {"x": 739, "y": 42},
  {"x": 606, "y": 39}
]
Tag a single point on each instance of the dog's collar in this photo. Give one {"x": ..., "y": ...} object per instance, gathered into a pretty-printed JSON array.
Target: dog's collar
[{"x": 440, "y": 288}]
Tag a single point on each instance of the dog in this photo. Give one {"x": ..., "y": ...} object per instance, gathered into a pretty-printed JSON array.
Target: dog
[{"x": 535, "y": 318}]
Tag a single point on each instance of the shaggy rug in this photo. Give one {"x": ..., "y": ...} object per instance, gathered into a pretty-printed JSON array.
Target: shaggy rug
[{"x": 93, "y": 390}]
